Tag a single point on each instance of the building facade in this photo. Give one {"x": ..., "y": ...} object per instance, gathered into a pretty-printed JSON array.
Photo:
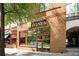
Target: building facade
[
  {"x": 64, "y": 25},
  {"x": 72, "y": 27}
]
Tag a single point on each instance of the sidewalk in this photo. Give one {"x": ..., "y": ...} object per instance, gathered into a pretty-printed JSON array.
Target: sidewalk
[{"x": 21, "y": 52}]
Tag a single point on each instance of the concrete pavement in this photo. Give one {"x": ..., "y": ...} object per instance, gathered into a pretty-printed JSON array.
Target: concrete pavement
[{"x": 21, "y": 52}]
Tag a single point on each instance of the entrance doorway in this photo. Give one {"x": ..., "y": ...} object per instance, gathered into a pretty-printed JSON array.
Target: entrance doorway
[{"x": 73, "y": 37}]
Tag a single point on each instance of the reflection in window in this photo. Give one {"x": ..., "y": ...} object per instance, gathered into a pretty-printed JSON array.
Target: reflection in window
[
  {"x": 77, "y": 8},
  {"x": 72, "y": 9}
]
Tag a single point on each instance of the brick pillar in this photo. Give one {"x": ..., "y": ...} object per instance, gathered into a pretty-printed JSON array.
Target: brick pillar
[{"x": 57, "y": 24}]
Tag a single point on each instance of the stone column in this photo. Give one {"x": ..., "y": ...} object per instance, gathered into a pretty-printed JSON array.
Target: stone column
[
  {"x": 17, "y": 40},
  {"x": 26, "y": 35},
  {"x": 57, "y": 22},
  {"x": 22, "y": 27}
]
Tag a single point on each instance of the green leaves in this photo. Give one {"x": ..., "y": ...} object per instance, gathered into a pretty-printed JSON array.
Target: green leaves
[{"x": 18, "y": 12}]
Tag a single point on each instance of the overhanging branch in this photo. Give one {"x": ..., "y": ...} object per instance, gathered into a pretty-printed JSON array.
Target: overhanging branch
[{"x": 12, "y": 11}]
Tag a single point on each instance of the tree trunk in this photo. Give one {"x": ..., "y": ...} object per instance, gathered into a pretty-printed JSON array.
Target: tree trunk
[
  {"x": 57, "y": 27},
  {"x": 2, "y": 41}
]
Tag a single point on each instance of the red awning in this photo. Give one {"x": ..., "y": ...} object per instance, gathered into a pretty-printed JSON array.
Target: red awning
[
  {"x": 22, "y": 33},
  {"x": 13, "y": 36}
]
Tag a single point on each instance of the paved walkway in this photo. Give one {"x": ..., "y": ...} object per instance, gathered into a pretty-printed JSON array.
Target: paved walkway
[{"x": 21, "y": 52}]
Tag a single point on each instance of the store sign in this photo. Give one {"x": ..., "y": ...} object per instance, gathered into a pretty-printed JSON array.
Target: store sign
[{"x": 39, "y": 23}]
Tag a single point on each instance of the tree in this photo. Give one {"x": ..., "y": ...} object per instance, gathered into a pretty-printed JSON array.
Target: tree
[
  {"x": 2, "y": 42},
  {"x": 15, "y": 13}
]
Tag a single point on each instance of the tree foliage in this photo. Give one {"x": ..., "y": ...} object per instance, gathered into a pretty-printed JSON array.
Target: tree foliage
[{"x": 19, "y": 12}]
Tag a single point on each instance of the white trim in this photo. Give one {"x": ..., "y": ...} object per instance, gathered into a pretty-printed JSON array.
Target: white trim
[{"x": 73, "y": 23}]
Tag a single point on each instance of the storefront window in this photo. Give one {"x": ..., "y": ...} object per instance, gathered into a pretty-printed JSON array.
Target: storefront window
[
  {"x": 72, "y": 9},
  {"x": 77, "y": 8}
]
